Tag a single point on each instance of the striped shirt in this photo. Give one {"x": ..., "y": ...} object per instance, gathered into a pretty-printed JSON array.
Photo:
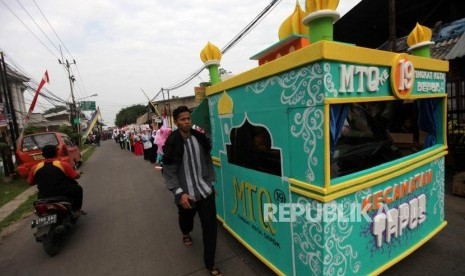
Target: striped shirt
[{"x": 195, "y": 168}]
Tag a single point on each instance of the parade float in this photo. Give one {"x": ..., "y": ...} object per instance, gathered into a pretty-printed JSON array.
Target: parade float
[{"x": 329, "y": 157}]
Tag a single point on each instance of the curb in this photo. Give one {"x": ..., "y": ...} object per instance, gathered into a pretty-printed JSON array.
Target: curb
[{"x": 11, "y": 206}]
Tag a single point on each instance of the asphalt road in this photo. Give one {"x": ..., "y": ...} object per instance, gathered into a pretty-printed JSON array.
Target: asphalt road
[{"x": 131, "y": 229}]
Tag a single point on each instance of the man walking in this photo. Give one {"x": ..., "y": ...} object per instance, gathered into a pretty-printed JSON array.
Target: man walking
[{"x": 189, "y": 175}]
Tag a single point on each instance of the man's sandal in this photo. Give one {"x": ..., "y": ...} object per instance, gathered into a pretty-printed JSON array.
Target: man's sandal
[
  {"x": 215, "y": 272},
  {"x": 187, "y": 240}
]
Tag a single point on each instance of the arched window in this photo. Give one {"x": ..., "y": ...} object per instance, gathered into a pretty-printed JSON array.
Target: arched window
[{"x": 251, "y": 148}]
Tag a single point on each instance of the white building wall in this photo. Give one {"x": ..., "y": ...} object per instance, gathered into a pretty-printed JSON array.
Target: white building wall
[{"x": 16, "y": 100}]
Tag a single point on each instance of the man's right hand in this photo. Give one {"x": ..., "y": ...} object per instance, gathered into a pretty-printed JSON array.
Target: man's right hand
[{"x": 184, "y": 201}]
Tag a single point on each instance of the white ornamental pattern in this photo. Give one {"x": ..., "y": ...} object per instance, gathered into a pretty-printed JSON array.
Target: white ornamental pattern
[
  {"x": 323, "y": 247},
  {"x": 304, "y": 86},
  {"x": 212, "y": 104},
  {"x": 438, "y": 187}
]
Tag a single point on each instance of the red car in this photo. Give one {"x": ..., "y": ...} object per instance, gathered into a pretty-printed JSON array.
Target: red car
[{"x": 29, "y": 151}]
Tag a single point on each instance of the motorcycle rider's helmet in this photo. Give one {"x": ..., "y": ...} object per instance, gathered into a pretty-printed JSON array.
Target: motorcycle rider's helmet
[{"x": 49, "y": 151}]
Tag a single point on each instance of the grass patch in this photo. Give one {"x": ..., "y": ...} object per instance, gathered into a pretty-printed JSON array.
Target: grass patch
[
  {"x": 88, "y": 153},
  {"x": 19, "y": 213},
  {"x": 10, "y": 190},
  {"x": 85, "y": 146}
]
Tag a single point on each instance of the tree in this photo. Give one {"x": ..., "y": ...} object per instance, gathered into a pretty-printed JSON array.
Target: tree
[
  {"x": 224, "y": 71},
  {"x": 31, "y": 130},
  {"x": 55, "y": 109},
  {"x": 205, "y": 84},
  {"x": 65, "y": 129},
  {"x": 129, "y": 115}
]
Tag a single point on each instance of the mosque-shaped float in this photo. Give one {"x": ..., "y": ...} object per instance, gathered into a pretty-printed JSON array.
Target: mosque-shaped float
[{"x": 329, "y": 157}]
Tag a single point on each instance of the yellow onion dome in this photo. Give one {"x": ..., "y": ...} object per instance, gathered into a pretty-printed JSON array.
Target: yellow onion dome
[
  {"x": 210, "y": 54},
  {"x": 293, "y": 24},
  {"x": 419, "y": 35},
  {"x": 318, "y": 5}
]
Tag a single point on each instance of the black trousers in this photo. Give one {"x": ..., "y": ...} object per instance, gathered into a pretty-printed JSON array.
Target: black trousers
[
  {"x": 72, "y": 190},
  {"x": 207, "y": 213},
  {"x": 146, "y": 153},
  {"x": 75, "y": 193},
  {"x": 153, "y": 154}
]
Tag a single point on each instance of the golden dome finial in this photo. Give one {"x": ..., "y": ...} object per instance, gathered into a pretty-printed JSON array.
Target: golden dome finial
[
  {"x": 210, "y": 53},
  {"x": 293, "y": 24},
  {"x": 317, "y": 5},
  {"x": 419, "y": 41},
  {"x": 419, "y": 34}
]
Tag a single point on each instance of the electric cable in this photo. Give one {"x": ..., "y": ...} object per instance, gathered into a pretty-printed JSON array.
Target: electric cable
[
  {"x": 50, "y": 25},
  {"x": 250, "y": 26},
  {"x": 23, "y": 72},
  {"x": 37, "y": 25},
  {"x": 24, "y": 24},
  {"x": 228, "y": 46}
]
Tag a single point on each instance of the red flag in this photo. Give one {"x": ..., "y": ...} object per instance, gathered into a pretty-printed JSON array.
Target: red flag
[{"x": 44, "y": 80}]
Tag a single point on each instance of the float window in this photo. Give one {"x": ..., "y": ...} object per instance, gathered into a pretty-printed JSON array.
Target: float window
[
  {"x": 364, "y": 135},
  {"x": 251, "y": 148}
]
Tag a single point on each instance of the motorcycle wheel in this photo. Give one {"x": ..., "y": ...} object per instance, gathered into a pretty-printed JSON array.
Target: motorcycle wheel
[{"x": 51, "y": 242}]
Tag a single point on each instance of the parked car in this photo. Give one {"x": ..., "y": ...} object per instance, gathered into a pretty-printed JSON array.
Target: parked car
[{"x": 29, "y": 151}]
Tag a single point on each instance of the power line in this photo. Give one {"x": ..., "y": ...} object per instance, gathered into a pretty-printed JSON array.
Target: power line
[
  {"x": 185, "y": 81},
  {"x": 42, "y": 105},
  {"x": 22, "y": 71},
  {"x": 24, "y": 24},
  {"x": 81, "y": 82},
  {"x": 50, "y": 25},
  {"x": 250, "y": 26},
  {"x": 42, "y": 94},
  {"x": 37, "y": 25},
  {"x": 43, "y": 44},
  {"x": 228, "y": 46}
]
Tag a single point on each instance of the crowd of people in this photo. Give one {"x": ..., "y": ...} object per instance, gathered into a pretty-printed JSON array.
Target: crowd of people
[{"x": 146, "y": 142}]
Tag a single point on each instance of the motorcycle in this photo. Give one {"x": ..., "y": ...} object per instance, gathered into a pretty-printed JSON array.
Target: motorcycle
[{"x": 55, "y": 218}]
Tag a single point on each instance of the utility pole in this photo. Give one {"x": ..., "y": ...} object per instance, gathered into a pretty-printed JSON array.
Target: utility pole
[
  {"x": 71, "y": 78},
  {"x": 169, "y": 110},
  {"x": 392, "y": 26},
  {"x": 5, "y": 153},
  {"x": 10, "y": 111}
]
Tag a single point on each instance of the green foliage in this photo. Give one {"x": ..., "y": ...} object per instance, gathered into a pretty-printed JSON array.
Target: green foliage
[
  {"x": 224, "y": 71},
  {"x": 74, "y": 137},
  {"x": 55, "y": 109},
  {"x": 65, "y": 129},
  {"x": 129, "y": 115},
  {"x": 31, "y": 130},
  {"x": 205, "y": 84}
]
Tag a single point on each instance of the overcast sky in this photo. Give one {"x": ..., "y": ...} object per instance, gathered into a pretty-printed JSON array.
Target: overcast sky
[{"x": 121, "y": 47}]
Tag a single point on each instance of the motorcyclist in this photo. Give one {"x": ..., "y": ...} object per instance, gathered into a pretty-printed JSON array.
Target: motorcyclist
[{"x": 56, "y": 178}]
